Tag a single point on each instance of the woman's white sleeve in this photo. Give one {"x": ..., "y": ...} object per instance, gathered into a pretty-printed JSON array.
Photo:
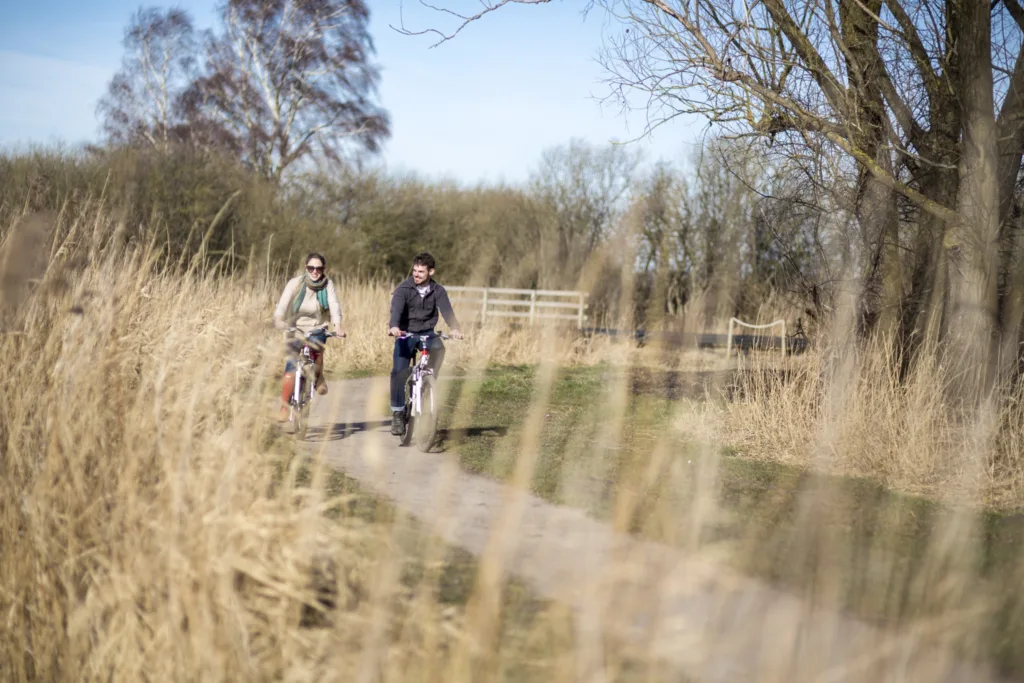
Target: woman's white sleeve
[
  {"x": 333, "y": 304},
  {"x": 286, "y": 297}
]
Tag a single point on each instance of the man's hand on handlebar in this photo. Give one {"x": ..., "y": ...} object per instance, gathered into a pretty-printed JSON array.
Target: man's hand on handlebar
[{"x": 455, "y": 334}]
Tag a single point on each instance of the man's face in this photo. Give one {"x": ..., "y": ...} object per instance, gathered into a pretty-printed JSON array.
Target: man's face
[{"x": 420, "y": 274}]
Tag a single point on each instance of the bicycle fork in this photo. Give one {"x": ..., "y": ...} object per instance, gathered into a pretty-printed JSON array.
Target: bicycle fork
[
  {"x": 300, "y": 377},
  {"x": 297, "y": 389},
  {"x": 417, "y": 383}
]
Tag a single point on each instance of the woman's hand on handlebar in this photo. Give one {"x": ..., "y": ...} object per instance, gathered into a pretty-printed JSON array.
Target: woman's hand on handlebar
[{"x": 395, "y": 332}]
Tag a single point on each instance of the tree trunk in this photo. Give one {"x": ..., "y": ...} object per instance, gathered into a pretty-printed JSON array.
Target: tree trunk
[
  {"x": 1011, "y": 296},
  {"x": 973, "y": 251},
  {"x": 875, "y": 202},
  {"x": 924, "y": 316},
  {"x": 926, "y": 311},
  {"x": 1011, "y": 146},
  {"x": 876, "y": 214}
]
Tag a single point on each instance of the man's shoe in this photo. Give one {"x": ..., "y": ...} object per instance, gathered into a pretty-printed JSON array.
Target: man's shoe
[
  {"x": 398, "y": 423},
  {"x": 321, "y": 386}
]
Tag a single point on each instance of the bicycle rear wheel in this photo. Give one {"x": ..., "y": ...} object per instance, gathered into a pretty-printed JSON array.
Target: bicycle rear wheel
[{"x": 426, "y": 427}]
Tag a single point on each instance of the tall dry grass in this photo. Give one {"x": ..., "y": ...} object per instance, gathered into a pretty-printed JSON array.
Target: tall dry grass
[
  {"x": 152, "y": 528},
  {"x": 904, "y": 432},
  {"x": 149, "y": 530}
]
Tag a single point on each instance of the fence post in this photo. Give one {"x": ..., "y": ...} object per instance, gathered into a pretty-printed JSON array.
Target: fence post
[
  {"x": 728, "y": 343},
  {"x": 533, "y": 305},
  {"x": 483, "y": 310},
  {"x": 580, "y": 319}
]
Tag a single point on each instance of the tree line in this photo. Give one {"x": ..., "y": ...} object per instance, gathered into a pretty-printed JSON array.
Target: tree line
[
  {"x": 590, "y": 216},
  {"x": 847, "y": 152}
]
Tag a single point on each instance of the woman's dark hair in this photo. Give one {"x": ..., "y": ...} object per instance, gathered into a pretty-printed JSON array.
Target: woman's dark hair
[{"x": 312, "y": 255}]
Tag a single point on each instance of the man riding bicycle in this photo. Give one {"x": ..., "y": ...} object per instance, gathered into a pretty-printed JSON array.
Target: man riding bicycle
[{"x": 415, "y": 304}]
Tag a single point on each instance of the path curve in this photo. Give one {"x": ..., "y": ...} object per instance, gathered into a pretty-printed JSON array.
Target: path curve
[{"x": 717, "y": 626}]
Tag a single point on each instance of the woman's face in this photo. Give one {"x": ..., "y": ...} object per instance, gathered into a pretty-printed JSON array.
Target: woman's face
[{"x": 315, "y": 268}]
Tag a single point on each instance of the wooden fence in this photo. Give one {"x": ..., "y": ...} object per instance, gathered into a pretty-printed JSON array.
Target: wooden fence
[{"x": 533, "y": 305}]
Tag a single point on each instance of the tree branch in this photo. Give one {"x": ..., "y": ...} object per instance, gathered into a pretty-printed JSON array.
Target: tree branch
[
  {"x": 1016, "y": 11},
  {"x": 465, "y": 20},
  {"x": 928, "y": 205},
  {"x": 823, "y": 76},
  {"x": 917, "y": 51},
  {"x": 1010, "y": 135}
]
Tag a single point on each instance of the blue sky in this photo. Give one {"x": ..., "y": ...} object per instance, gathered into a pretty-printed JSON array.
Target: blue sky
[{"x": 481, "y": 107}]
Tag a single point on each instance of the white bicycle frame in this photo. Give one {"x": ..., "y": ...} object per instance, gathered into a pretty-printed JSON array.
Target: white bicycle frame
[
  {"x": 302, "y": 364},
  {"x": 416, "y": 390},
  {"x": 419, "y": 371}
]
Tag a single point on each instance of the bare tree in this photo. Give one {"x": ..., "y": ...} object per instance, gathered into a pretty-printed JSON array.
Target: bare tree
[
  {"x": 861, "y": 77},
  {"x": 924, "y": 98},
  {"x": 141, "y": 105},
  {"x": 735, "y": 230},
  {"x": 665, "y": 254},
  {"x": 584, "y": 187},
  {"x": 289, "y": 80}
]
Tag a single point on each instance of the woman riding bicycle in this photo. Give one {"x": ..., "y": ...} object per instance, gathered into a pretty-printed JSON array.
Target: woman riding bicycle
[{"x": 306, "y": 303}]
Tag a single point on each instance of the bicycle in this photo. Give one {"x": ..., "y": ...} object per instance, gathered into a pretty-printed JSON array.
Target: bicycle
[
  {"x": 308, "y": 349},
  {"x": 421, "y": 410}
]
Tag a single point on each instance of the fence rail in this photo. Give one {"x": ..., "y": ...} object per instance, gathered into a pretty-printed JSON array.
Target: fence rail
[
  {"x": 736, "y": 322},
  {"x": 540, "y": 304}
]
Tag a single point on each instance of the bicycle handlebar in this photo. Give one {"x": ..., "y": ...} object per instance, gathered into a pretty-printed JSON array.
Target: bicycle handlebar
[
  {"x": 307, "y": 335},
  {"x": 407, "y": 335}
]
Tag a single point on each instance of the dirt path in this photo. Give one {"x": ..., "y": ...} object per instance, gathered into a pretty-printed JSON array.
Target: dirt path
[{"x": 714, "y": 624}]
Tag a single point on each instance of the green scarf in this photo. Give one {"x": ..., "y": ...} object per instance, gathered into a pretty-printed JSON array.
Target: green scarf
[{"x": 319, "y": 287}]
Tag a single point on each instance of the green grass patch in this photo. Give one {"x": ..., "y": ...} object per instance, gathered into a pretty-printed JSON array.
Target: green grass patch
[
  {"x": 489, "y": 441},
  {"x": 351, "y": 373}
]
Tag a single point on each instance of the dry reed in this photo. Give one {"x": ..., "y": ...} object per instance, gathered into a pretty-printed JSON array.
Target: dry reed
[
  {"x": 152, "y": 528},
  {"x": 903, "y": 433},
  {"x": 149, "y": 530}
]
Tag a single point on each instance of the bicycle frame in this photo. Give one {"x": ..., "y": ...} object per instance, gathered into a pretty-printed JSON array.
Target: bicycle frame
[
  {"x": 303, "y": 391},
  {"x": 419, "y": 370},
  {"x": 304, "y": 362},
  {"x": 417, "y": 422}
]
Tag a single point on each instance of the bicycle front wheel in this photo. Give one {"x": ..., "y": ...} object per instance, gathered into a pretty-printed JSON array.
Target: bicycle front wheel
[
  {"x": 301, "y": 411},
  {"x": 426, "y": 424}
]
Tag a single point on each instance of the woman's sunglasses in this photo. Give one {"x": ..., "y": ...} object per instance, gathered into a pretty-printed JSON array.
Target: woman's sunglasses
[{"x": 314, "y": 269}]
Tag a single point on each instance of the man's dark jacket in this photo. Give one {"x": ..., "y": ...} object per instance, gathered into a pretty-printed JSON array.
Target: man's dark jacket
[{"x": 412, "y": 313}]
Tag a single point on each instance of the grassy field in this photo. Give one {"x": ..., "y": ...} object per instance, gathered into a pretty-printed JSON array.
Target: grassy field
[{"x": 780, "y": 522}]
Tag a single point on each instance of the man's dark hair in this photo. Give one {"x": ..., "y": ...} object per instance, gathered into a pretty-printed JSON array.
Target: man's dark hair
[
  {"x": 424, "y": 259},
  {"x": 312, "y": 255}
]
